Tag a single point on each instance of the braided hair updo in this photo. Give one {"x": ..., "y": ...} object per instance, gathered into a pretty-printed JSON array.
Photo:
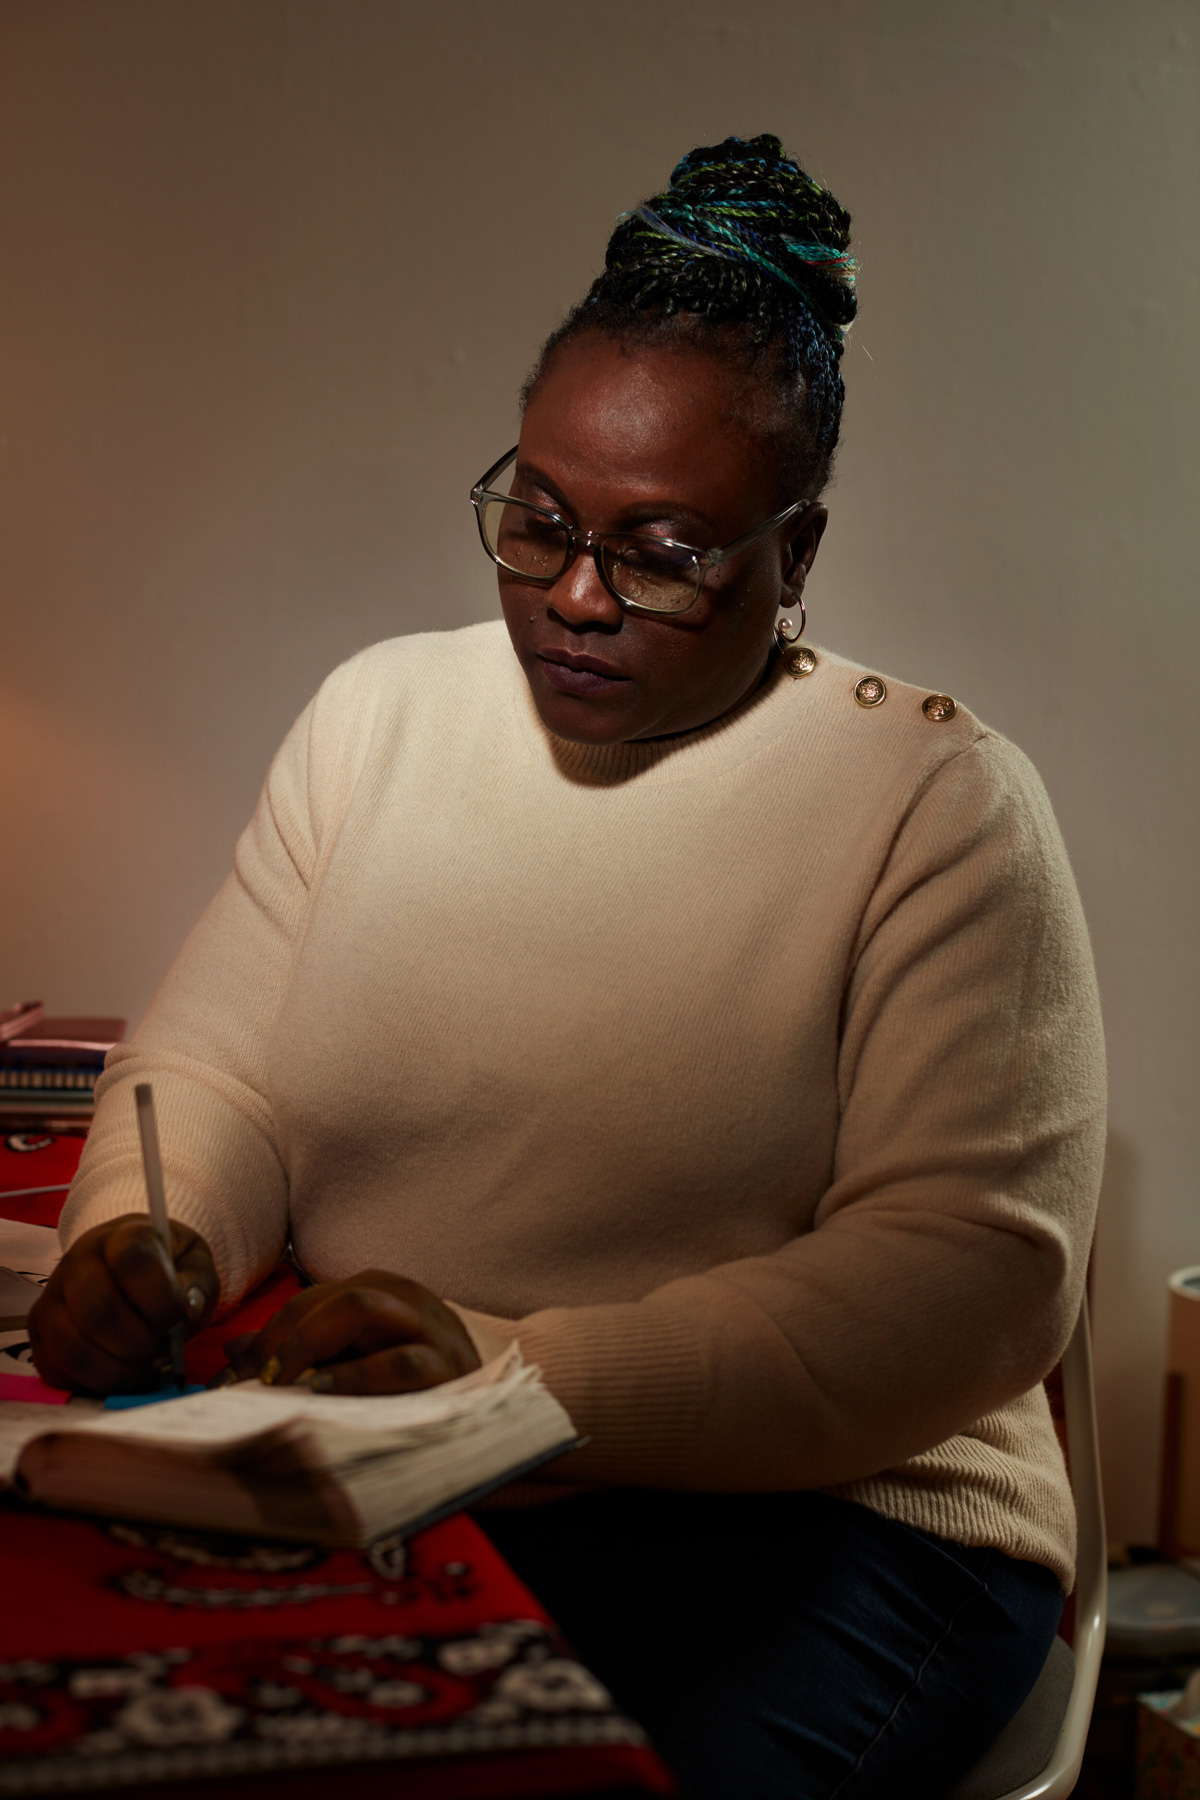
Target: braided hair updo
[{"x": 747, "y": 255}]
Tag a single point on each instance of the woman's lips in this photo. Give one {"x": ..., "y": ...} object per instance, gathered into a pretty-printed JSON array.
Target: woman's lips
[{"x": 572, "y": 674}]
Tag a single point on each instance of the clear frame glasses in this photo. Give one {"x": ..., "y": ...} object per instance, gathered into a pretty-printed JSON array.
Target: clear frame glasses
[{"x": 645, "y": 573}]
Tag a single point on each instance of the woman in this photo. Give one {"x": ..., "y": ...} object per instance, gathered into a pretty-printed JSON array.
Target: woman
[{"x": 713, "y": 1016}]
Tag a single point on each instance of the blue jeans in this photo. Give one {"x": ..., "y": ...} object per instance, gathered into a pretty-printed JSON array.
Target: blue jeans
[{"x": 788, "y": 1646}]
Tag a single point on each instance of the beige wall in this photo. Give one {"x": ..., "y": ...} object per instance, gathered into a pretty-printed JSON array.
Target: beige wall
[{"x": 272, "y": 272}]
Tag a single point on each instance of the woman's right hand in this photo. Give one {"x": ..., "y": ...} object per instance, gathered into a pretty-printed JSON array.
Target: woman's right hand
[{"x": 102, "y": 1323}]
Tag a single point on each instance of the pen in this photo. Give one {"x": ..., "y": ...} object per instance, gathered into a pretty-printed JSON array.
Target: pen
[{"x": 157, "y": 1200}]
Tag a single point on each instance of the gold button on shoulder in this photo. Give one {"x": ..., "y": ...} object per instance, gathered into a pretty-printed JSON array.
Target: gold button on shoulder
[
  {"x": 938, "y": 707},
  {"x": 870, "y": 691},
  {"x": 800, "y": 663}
]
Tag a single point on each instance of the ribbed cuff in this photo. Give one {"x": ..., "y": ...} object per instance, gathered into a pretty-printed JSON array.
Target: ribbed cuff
[{"x": 631, "y": 1378}]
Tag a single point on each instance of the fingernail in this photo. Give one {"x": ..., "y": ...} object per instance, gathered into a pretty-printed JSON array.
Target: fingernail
[
  {"x": 194, "y": 1301},
  {"x": 322, "y": 1381},
  {"x": 270, "y": 1371},
  {"x": 226, "y": 1378}
]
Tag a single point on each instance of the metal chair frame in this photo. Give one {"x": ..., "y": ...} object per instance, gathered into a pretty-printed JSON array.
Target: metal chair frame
[{"x": 1061, "y": 1773}]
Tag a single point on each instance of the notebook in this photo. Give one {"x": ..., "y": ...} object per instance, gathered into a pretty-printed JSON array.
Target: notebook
[
  {"x": 49, "y": 1067},
  {"x": 328, "y": 1469}
]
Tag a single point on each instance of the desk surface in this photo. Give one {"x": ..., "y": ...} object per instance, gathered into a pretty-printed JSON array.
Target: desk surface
[{"x": 133, "y": 1654}]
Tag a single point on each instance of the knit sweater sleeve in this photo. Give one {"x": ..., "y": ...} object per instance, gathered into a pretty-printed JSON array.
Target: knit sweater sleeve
[
  {"x": 204, "y": 1043},
  {"x": 945, "y": 1269}
]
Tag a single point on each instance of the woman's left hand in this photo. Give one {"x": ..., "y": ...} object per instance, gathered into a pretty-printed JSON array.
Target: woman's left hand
[{"x": 374, "y": 1333}]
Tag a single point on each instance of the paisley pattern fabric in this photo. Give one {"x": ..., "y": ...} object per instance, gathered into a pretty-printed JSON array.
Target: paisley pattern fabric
[{"x": 133, "y": 1654}]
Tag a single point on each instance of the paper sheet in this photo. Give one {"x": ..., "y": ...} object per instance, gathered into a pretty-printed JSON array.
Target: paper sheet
[
  {"x": 227, "y": 1417},
  {"x": 31, "y": 1250},
  {"x": 17, "y": 1294}
]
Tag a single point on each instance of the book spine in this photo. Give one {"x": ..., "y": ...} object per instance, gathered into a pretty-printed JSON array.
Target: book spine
[{"x": 74, "y": 1080}]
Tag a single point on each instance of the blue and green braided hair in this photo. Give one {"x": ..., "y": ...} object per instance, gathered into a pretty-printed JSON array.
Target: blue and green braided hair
[{"x": 746, "y": 251}]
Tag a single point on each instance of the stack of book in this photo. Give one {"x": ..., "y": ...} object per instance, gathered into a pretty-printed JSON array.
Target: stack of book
[{"x": 49, "y": 1067}]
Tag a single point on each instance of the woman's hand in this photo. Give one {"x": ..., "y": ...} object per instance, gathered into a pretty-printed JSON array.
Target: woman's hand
[
  {"x": 103, "y": 1320},
  {"x": 372, "y": 1334}
]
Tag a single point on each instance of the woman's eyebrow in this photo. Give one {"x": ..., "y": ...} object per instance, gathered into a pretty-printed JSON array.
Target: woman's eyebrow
[
  {"x": 682, "y": 518},
  {"x": 644, "y": 513},
  {"x": 532, "y": 476}
]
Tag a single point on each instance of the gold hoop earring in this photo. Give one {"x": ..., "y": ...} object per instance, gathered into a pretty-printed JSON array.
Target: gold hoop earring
[{"x": 790, "y": 631}]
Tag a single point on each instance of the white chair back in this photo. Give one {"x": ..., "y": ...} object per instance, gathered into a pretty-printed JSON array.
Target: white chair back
[{"x": 1061, "y": 1773}]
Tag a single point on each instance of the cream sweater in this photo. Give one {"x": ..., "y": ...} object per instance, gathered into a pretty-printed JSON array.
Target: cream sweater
[{"x": 752, "y": 1079}]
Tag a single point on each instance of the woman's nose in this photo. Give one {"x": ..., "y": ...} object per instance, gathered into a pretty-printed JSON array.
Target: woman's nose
[{"x": 580, "y": 598}]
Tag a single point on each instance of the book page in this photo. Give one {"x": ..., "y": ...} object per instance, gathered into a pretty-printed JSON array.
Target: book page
[{"x": 229, "y": 1420}]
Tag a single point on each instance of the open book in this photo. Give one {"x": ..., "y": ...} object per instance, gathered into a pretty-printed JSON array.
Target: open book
[{"x": 284, "y": 1462}]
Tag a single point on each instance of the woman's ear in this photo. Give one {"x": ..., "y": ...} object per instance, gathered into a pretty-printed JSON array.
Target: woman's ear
[{"x": 804, "y": 545}]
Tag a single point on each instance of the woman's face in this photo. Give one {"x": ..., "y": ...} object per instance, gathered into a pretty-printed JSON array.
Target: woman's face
[{"x": 671, "y": 441}]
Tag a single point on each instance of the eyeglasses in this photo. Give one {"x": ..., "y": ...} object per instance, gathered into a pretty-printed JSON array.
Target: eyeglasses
[{"x": 645, "y": 573}]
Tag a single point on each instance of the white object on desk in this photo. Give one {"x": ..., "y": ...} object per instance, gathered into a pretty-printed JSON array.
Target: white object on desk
[
  {"x": 17, "y": 1295},
  {"x": 32, "y": 1250}
]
